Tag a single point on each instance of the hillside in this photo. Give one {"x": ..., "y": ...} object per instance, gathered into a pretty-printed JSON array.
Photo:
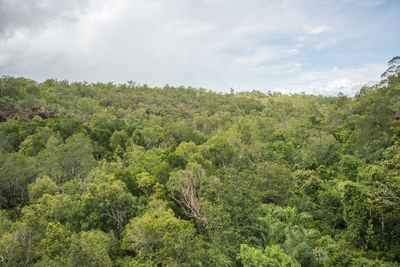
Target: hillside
[{"x": 128, "y": 175}]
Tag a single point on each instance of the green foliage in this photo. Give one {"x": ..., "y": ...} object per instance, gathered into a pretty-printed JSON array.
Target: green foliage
[
  {"x": 186, "y": 189},
  {"x": 107, "y": 206},
  {"x": 161, "y": 237},
  {"x": 40, "y": 187},
  {"x": 349, "y": 166},
  {"x": 55, "y": 245},
  {"x": 65, "y": 127},
  {"x": 105, "y": 121},
  {"x": 274, "y": 182},
  {"x": 90, "y": 248},
  {"x": 127, "y": 175},
  {"x": 270, "y": 257},
  {"x": 66, "y": 161},
  {"x": 220, "y": 152},
  {"x": 14, "y": 131},
  {"x": 129, "y": 179},
  {"x": 356, "y": 214},
  {"x": 330, "y": 208},
  {"x": 15, "y": 245},
  {"x": 16, "y": 173},
  {"x": 58, "y": 208}
]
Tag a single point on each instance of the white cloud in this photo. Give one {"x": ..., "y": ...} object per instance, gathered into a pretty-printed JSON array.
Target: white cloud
[
  {"x": 263, "y": 54},
  {"x": 35, "y": 15},
  {"x": 366, "y": 3},
  {"x": 324, "y": 44},
  {"x": 345, "y": 80},
  {"x": 153, "y": 42},
  {"x": 318, "y": 29},
  {"x": 214, "y": 44}
]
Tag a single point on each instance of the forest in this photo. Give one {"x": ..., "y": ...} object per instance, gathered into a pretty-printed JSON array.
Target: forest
[{"x": 104, "y": 174}]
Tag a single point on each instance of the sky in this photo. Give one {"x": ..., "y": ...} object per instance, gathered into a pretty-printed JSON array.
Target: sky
[{"x": 290, "y": 46}]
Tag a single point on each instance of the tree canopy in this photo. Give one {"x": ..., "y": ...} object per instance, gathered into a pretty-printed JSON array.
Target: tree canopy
[{"x": 127, "y": 175}]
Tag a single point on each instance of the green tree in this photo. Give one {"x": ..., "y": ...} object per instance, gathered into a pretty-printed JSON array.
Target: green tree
[
  {"x": 41, "y": 186},
  {"x": 349, "y": 166},
  {"x": 186, "y": 189},
  {"x": 55, "y": 246},
  {"x": 73, "y": 159},
  {"x": 270, "y": 257},
  {"x": 16, "y": 173},
  {"x": 162, "y": 238},
  {"x": 108, "y": 206},
  {"x": 273, "y": 182},
  {"x": 90, "y": 248}
]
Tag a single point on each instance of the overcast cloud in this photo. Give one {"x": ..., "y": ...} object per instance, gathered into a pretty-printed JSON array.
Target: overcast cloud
[{"x": 291, "y": 46}]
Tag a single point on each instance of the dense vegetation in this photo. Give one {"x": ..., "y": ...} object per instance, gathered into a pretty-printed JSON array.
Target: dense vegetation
[{"x": 127, "y": 175}]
